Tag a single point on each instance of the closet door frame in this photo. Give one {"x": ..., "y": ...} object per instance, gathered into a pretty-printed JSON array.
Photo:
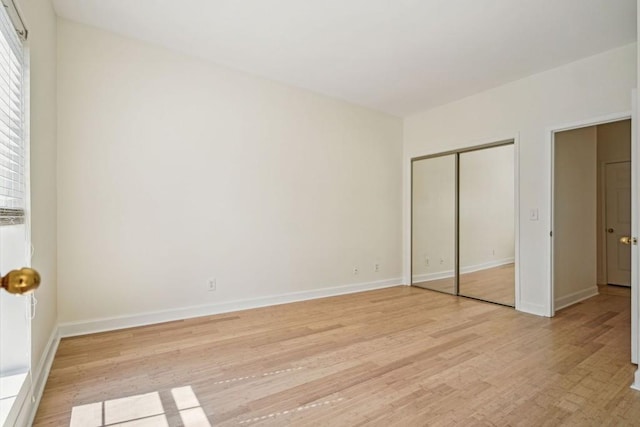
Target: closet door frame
[{"x": 516, "y": 212}]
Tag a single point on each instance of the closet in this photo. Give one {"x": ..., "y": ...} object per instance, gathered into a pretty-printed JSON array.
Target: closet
[{"x": 463, "y": 222}]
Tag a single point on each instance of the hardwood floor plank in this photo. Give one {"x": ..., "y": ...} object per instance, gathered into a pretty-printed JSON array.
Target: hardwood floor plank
[{"x": 397, "y": 356}]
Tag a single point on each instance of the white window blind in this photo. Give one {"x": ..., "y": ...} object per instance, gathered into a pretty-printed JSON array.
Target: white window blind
[{"x": 12, "y": 124}]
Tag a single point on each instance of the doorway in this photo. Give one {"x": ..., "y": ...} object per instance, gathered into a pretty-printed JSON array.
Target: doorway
[{"x": 592, "y": 209}]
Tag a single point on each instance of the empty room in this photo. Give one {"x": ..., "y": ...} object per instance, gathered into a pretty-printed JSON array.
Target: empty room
[{"x": 327, "y": 213}]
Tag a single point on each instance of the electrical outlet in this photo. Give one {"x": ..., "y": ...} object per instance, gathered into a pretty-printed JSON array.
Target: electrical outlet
[
  {"x": 355, "y": 271},
  {"x": 211, "y": 284},
  {"x": 376, "y": 267}
]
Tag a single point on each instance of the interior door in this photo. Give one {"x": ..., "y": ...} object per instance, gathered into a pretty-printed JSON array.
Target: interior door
[{"x": 618, "y": 220}]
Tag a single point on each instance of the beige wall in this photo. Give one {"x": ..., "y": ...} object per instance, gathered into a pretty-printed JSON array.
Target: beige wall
[
  {"x": 614, "y": 145},
  {"x": 574, "y": 256},
  {"x": 173, "y": 171},
  {"x": 526, "y": 110}
]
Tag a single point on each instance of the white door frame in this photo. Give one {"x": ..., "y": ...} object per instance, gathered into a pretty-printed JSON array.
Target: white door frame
[
  {"x": 635, "y": 262},
  {"x": 603, "y": 212},
  {"x": 634, "y": 214}
]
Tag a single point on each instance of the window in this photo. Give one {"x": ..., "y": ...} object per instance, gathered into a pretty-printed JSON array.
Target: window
[{"x": 12, "y": 124}]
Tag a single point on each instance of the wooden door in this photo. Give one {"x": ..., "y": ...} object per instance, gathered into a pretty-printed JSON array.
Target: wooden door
[{"x": 618, "y": 220}]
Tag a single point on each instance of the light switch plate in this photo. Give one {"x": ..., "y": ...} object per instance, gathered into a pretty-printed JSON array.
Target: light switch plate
[{"x": 533, "y": 214}]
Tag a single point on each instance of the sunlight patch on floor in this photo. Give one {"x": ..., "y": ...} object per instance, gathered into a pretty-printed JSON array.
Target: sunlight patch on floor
[
  {"x": 132, "y": 408},
  {"x": 142, "y": 410}
]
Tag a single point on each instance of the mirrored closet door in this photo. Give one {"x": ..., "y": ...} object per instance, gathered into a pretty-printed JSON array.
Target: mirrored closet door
[
  {"x": 434, "y": 223},
  {"x": 463, "y": 223},
  {"x": 486, "y": 218}
]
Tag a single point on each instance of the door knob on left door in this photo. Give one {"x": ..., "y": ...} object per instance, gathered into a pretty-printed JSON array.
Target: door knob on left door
[{"x": 20, "y": 281}]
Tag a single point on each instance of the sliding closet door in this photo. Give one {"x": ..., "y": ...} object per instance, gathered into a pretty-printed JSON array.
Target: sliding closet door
[
  {"x": 433, "y": 211},
  {"x": 486, "y": 224}
]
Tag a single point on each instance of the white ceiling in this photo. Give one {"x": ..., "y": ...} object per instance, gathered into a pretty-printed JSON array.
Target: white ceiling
[{"x": 398, "y": 56}]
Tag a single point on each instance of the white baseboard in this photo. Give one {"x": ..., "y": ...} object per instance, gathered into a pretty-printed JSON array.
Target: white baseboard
[
  {"x": 427, "y": 277},
  {"x": 24, "y": 410},
  {"x": 121, "y": 322},
  {"x": 531, "y": 308},
  {"x": 636, "y": 383},
  {"x": 575, "y": 297}
]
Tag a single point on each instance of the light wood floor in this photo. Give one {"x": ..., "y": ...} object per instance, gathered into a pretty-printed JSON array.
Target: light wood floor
[
  {"x": 492, "y": 284},
  {"x": 399, "y": 356}
]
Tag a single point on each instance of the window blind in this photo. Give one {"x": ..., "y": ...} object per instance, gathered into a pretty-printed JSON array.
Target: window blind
[{"x": 12, "y": 124}]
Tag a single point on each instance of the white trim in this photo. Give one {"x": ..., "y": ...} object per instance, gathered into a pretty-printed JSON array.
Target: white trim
[
  {"x": 531, "y": 308},
  {"x": 575, "y": 297},
  {"x": 636, "y": 384},
  {"x": 42, "y": 372},
  {"x": 602, "y": 226},
  {"x": 427, "y": 277},
  {"x": 70, "y": 329},
  {"x": 635, "y": 213},
  {"x": 24, "y": 410},
  {"x": 516, "y": 196},
  {"x": 407, "y": 219},
  {"x": 550, "y": 135},
  {"x": 595, "y": 121}
]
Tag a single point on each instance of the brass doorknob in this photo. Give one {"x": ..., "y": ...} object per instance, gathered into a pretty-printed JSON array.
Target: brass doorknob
[
  {"x": 610, "y": 230},
  {"x": 21, "y": 281},
  {"x": 626, "y": 240}
]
